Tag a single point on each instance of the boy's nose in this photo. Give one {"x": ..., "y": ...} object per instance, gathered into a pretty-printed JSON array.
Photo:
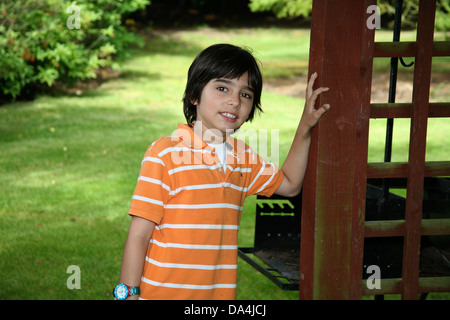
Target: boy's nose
[{"x": 235, "y": 101}]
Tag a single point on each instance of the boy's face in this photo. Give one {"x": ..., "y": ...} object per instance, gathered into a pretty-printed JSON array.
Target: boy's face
[{"x": 224, "y": 105}]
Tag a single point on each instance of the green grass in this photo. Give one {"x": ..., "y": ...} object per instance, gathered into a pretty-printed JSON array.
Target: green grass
[{"x": 69, "y": 164}]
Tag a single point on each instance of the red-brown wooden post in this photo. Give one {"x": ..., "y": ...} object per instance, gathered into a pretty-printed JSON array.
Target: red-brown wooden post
[
  {"x": 334, "y": 192},
  {"x": 417, "y": 146}
]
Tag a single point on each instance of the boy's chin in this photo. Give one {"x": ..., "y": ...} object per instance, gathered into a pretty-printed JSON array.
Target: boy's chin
[{"x": 230, "y": 131}]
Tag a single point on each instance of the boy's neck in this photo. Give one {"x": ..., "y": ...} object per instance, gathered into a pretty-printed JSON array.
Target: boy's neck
[{"x": 211, "y": 136}]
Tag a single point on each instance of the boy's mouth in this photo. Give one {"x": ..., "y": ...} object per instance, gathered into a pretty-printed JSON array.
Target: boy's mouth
[{"x": 229, "y": 116}]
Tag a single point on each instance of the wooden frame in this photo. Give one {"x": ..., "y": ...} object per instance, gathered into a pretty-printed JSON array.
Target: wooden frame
[{"x": 333, "y": 225}]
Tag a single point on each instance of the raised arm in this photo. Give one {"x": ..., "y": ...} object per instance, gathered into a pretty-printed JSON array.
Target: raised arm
[{"x": 294, "y": 167}]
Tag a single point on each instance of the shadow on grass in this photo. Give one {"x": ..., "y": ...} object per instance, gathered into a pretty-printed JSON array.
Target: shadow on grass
[{"x": 165, "y": 42}]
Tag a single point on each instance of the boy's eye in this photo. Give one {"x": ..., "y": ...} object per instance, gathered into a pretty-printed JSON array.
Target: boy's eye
[
  {"x": 222, "y": 89},
  {"x": 246, "y": 95}
]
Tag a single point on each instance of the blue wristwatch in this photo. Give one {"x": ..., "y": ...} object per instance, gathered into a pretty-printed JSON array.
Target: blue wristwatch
[{"x": 122, "y": 291}]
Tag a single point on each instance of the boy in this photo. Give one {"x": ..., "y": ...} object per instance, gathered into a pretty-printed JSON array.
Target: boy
[{"x": 186, "y": 208}]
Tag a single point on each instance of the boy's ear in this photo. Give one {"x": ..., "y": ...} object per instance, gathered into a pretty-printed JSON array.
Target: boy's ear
[{"x": 194, "y": 102}]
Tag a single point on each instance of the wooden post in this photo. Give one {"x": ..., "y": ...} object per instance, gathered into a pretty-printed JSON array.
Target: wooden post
[
  {"x": 334, "y": 192},
  {"x": 417, "y": 146}
]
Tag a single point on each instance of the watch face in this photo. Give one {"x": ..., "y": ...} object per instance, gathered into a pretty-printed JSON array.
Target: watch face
[{"x": 121, "y": 292}]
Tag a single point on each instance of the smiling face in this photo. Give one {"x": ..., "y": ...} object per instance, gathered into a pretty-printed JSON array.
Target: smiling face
[
  {"x": 224, "y": 106},
  {"x": 235, "y": 71}
]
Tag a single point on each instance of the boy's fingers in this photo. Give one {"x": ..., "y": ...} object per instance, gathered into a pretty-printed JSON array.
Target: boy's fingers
[
  {"x": 311, "y": 96},
  {"x": 312, "y": 99},
  {"x": 309, "y": 87},
  {"x": 320, "y": 112},
  {"x": 326, "y": 107},
  {"x": 320, "y": 90}
]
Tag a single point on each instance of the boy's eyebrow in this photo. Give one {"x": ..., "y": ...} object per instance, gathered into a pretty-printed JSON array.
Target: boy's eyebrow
[{"x": 226, "y": 81}]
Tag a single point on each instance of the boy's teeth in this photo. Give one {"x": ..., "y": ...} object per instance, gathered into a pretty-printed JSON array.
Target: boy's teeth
[{"x": 229, "y": 115}]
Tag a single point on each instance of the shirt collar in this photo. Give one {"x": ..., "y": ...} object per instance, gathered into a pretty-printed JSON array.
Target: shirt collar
[{"x": 186, "y": 133}]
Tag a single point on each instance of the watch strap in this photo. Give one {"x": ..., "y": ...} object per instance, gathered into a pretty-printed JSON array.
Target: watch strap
[{"x": 133, "y": 291}]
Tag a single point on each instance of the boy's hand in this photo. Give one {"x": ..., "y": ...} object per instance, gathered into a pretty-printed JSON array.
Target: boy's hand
[
  {"x": 294, "y": 167},
  {"x": 311, "y": 115}
]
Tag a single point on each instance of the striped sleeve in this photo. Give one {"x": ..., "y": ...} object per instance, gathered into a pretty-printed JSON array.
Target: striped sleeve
[
  {"x": 265, "y": 176},
  {"x": 152, "y": 188}
]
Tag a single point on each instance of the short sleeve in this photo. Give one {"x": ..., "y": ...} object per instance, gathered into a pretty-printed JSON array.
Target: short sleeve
[
  {"x": 265, "y": 177},
  {"x": 152, "y": 188}
]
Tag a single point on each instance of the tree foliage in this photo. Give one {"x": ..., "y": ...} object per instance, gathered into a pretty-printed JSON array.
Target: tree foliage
[
  {"x": 411, "y": 10},
  {"x": 283, "y": 8},
  {"x": 302, "y": 8},
  {"x": 41, "y": 44}
]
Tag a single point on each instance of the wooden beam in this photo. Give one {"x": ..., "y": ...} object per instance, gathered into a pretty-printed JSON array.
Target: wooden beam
[
  {"x": 400, "y": 169},
  {"x": 394, "y": 49},
  {"x": 435, "y": 227},
  {"x": 394, "y": 286},
  {"x": 403, "y": 110},
  {"x": 395, "y": 228},
  {"x": 408, "y": 49},
  {"x": 334, "y": 191},
  {"x": 384, "y": 228},
  {"x": 417, "y": 147},
  {"x": 441, "y": 49},
  {"x": 308, "y": 219}
]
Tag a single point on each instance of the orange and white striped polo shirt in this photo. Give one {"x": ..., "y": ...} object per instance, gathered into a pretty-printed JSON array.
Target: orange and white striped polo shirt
[{"x": 197, "y": 209}]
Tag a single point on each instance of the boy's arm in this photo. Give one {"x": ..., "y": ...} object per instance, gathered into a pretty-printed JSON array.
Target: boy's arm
[
  {"x": 134, "y": 252},
  {"x": 294, "y": 167}
]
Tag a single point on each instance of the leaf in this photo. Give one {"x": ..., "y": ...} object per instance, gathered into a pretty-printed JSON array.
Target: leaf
[{"x": 48, "y": 75}]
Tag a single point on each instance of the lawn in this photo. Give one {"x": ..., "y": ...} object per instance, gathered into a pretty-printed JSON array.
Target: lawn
[{"x": 69, "y": 163}]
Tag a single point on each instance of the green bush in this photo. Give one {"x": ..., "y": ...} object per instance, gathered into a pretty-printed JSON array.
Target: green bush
[{"x": 43, "y": 41}]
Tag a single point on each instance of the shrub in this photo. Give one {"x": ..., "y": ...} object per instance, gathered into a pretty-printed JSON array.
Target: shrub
[{"x": 43, "y": 41}]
